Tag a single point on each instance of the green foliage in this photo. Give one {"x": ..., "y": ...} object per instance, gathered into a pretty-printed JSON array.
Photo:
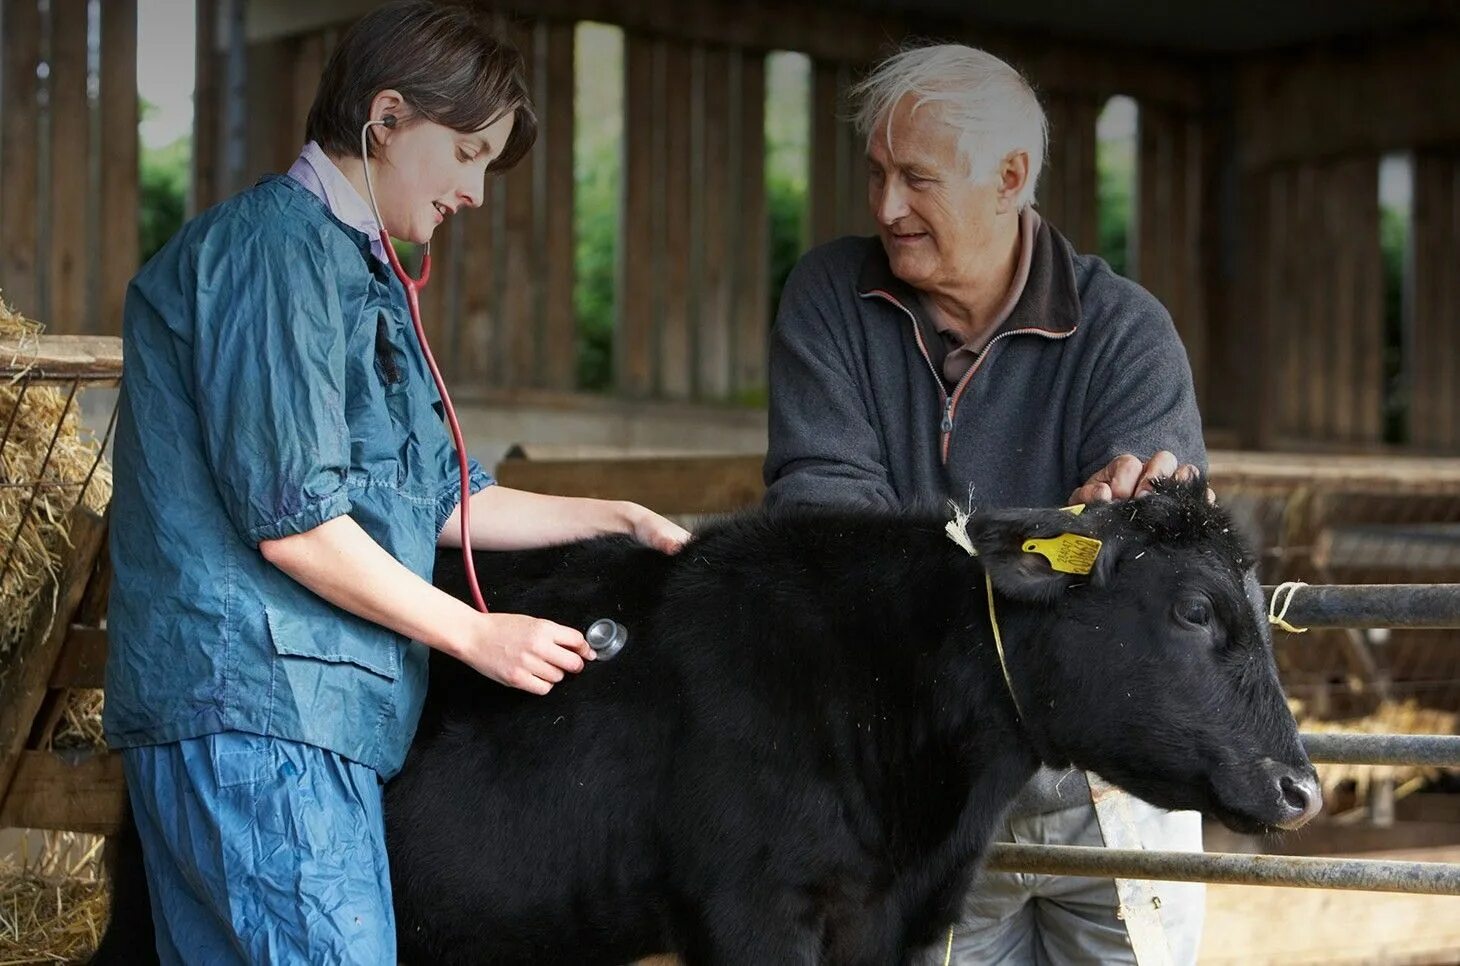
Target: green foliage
[
  {"x": 597, "y": 136},
  {"x": 788, "y": 164},
  {"x": 163, "y": 193},
  {"x": 596, "y": 215},
  {"x": 597, "y": 168},
  {"x": 786, "y": 201},
  {"x": 1115, "y": 168}
]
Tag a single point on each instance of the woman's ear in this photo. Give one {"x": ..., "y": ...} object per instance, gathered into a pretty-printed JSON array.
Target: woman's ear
[{"x": 387, "y": 104}]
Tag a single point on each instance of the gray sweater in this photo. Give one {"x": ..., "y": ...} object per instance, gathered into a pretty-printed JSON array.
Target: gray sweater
[{"x": 1088, "y": 366}]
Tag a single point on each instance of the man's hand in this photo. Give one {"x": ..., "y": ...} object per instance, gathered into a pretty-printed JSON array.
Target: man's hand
[{"x": 1127, "y": 477}]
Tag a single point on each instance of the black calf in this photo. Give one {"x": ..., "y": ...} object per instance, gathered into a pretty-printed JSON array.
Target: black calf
[{"x": 803, "y": 750}]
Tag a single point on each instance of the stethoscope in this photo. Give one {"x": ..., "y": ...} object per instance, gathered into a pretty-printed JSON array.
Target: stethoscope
[{"x": 606, "y": 637}]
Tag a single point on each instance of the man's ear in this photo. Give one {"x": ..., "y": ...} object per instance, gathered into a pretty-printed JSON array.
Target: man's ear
[{"x": 1016, "y": 546}]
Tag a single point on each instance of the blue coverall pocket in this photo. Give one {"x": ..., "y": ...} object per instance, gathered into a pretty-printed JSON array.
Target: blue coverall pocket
[
  {"x": 241, "y": 759},
  {"x": 339, "y": 641}
]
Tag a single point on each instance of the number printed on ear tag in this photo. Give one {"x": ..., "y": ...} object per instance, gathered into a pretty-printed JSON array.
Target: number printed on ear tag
[{"x": 1069, "y": 553}]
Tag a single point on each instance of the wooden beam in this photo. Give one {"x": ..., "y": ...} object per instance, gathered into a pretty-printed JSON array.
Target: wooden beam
[
  {"x": 677, "y": 485},
  {"x": 120, "y": 170},
  {"x": 97, "y": 359},
  {"x": 20, "y": 157},
  {"x": 1387, "y": 474},
  {"x": 1395, "y": 95},
  {"x": 82, "y": 661},
  {"x": 49, "y": 792},
  {"x": 822, "y": 30},
  {"x": 717, "y": 484},
  {"x": 24, "y": 686}
]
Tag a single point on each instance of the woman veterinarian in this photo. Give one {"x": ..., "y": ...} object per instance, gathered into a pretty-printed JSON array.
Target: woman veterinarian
[{"x": 282, "y": 485}]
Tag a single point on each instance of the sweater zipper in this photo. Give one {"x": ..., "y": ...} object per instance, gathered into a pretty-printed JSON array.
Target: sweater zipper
[
  {"x": 946, "y": 427},
  {"x": 978, "y": 364},
  {"x": 950, "y": 402}
]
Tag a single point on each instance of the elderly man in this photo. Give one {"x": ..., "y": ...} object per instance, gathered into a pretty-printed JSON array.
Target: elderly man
[{"x": 968, "y": 352}]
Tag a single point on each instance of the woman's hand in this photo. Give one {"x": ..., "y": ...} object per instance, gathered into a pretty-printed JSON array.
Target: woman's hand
[
  {"x": 522, "y": 652},
  {"x": 653, "y": 530}
]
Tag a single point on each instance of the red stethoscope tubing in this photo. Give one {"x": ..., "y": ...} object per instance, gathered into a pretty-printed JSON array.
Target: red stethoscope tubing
[{"x": 413, "y": 288}]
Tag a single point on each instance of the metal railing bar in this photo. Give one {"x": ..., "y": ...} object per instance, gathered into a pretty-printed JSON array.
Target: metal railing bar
[
  {"x": 1374, "y": 605},
  {"x": 1341, "y": 748},
  {"x": 1305, "y": 872}
]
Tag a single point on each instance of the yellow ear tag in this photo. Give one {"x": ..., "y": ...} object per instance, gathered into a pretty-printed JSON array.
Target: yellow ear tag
[
  {"x": 1074, "y": 510},
  {"x": 1069, "y": 553}
]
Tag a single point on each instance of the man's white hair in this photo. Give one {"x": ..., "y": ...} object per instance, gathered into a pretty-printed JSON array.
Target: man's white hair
[{"x": 990, "y": 104}]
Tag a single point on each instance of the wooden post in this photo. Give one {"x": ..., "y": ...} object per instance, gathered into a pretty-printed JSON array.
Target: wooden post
[
  {"x": 720, "y": 216},
  {"x": 522, "y": 280},
  {"x": 207, "y": 107},
  {"x": 1434, "y": 413},
  {"x": 66, "y": 309},
  {"x": 633, "y": 341},
  {"x": 1067, "y": 194},
  {"x": 24, "y": 686},
  {"x": 674, "y": 149},
  {"x": 559, "y": 360},
  {"x": 752, "y": 310},
  {"x": 119, "y": 161},
  {"x": 825, "y": 202},
  {"x": 19, "y": 156}
]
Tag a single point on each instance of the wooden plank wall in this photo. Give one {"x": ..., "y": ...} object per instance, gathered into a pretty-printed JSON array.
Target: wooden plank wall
[
  {"x": 1320, "y": 302},
  {"x": 507, "y": 304},
  {"x": 68, "y": 162},
  {"x": 1069, "y": 185},
  {"x": 1167, "y": 254},
  {"x": 1434, "y": 389},
  {"x": 693, "y": 273},
  {"x": 838, "y": 180}
]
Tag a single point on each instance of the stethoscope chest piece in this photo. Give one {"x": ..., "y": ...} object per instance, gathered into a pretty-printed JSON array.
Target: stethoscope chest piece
[{"x": 606, "y": 637}]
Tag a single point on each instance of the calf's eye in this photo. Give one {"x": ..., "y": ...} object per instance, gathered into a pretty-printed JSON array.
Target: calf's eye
[{"x": 1194, "y": 611}]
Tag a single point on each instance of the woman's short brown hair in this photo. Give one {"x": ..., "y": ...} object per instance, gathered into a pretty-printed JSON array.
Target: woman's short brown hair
[{"x": 446, "y": 62}]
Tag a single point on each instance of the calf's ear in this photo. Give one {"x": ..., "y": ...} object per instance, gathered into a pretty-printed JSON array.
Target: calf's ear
[{"x": 1002, "y": 539}]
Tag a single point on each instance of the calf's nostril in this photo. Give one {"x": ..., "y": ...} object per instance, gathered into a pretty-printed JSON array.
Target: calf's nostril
[{"x": 1295, "y": 794}]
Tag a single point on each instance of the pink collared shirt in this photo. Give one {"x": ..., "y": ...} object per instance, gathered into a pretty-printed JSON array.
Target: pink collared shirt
[
  {"x": 961, "y": 357},
  {"x": 314, "y": 170}
]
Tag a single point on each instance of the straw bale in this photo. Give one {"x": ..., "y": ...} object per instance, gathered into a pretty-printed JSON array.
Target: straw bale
[
  {"x": 53, "y": 904},
  {"x": 33, "y": 521},
  {"x": 1389, "y": 717}
]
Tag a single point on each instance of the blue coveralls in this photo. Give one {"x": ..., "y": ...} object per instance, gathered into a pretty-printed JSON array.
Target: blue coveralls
[{"x": 272, "y": 383}]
